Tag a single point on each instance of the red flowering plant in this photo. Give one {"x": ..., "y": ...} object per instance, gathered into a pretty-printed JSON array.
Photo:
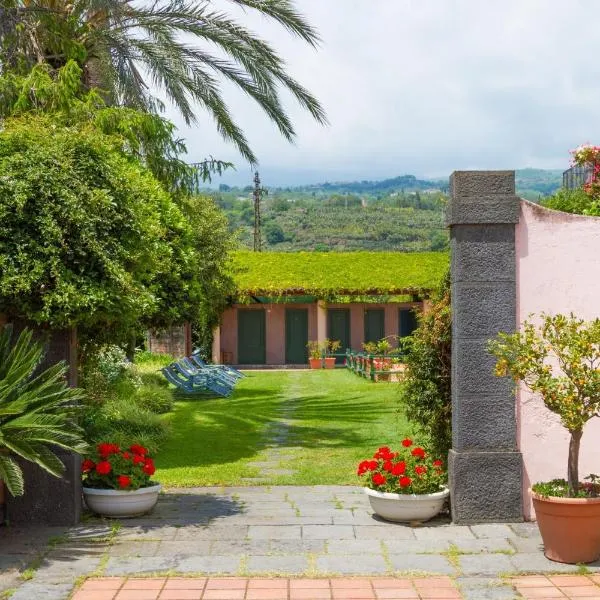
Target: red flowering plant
[
  {"x": 117, "y": 469},
  {"x": 410, "y": 471}
]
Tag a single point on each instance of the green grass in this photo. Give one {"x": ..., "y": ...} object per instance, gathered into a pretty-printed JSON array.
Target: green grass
[
  {"x": 322, "y": 273},
  {"x": 336, "y": 420}
]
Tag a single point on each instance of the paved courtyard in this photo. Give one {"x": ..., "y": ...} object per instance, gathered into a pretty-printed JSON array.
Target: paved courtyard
[{"x": 315, "y": 533}]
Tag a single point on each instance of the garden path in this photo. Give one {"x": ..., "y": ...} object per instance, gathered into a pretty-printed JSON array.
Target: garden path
[{"x": 317, "y": 532}]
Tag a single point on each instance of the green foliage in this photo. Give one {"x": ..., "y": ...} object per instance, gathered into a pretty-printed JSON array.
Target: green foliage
[
  {"x": 426, "y": 390},
  {"x": 125, "y": 49},
  {"x": 274, "y": 233},
  {"x": 571, "y": 201},
  {"x": 142, "y": 135},
  {"x": 89, "y": 236},
  {"x": 85, "y": 233},
  {"x": 126, "y": 410},
  {"x": 155, "y": 397},
  {"x": 559, "y": 488},
  {"x": 37, "y": 410},
  {"x": 560, "y": 361},
  {"x": 325, "y": 274}
]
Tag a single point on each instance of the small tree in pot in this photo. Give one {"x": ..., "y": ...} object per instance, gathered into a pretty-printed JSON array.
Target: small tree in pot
[{"x": 560, "y": 360}]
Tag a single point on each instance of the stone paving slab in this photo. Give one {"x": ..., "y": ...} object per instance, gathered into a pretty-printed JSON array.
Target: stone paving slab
[{"x": 318, "y": 532}]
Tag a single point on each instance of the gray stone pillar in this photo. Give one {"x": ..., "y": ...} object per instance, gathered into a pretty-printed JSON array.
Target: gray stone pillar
[{"x": 485, "y": 468}]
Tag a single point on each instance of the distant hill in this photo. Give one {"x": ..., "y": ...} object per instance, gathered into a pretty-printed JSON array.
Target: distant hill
[
  {"x": 529, "y": 182},
  {"x": 402, "y": 213}
]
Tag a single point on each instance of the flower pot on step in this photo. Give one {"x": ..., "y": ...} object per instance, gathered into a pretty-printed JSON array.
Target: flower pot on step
[
  {"x": 406, "y": 508},
  {"x": 570, "y": 528},
  {"x": 330, "y": 362},
  {"x": 315, "y": 363},
  {"x": 121, "y": 503}
]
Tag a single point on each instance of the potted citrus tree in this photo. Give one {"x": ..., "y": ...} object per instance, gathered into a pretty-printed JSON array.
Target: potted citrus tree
[
  {"x": 560, "y": 361},
  {"x": 116, "y": 482},
  {"x": 331, "y": 347},
  {"x": 404, "y": 486}
]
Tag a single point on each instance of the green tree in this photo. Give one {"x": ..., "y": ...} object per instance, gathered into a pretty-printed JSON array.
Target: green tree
[
  {"x": 87, "y": 234},
  {"x": 37, "y": 410},
  {"x": 122, "y": 47},
  {"x": 560, "y": 361},
  {"x": 274, "y": 233},
  {"x": 426, "y": 391}
]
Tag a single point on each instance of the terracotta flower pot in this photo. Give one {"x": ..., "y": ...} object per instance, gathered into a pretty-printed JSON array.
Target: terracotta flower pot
[
  {"x": 570, "y": 528},
  {"x": 315, "y": 363},
  {"x": 330, "y": 362}
]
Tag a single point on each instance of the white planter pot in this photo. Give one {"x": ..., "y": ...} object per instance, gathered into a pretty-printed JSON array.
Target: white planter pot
[
  {"x": 403, "y": 508},
  {"x": 121, "y": 503}
]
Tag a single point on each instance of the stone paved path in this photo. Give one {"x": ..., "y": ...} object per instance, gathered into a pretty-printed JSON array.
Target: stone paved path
[{"x": 316, "y": 532}]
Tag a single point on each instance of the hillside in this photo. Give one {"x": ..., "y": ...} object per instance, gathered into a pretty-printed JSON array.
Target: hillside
[{"x": 399, "y": 214}]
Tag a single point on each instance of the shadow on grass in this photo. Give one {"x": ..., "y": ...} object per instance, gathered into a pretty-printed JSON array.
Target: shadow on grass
[{"x": 219, "y": 431}]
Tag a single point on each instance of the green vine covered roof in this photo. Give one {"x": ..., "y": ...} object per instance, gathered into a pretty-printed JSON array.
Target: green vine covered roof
[{"x": 329, "y": 274}]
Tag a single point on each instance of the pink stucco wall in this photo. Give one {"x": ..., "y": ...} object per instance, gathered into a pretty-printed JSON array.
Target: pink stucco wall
[
  {"x": 275, "y": 326},
  {"x": 558, "y": 271}
]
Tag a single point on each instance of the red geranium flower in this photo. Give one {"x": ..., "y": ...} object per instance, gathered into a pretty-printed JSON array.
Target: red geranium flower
[
  {"x": 437, "y": 463},
  {"x": 149, "y": 467},
  {"x": 126, "y": 455},
  {"x": 420, "y": 470},
  {"x": 379, "y": 479},
  {"x": 105, "y": 449},
  {"x": 407, "y": 442},
  {"x": 384, "y": 453},
  {"x": 123, "y": 481},
  {"x": 388, "y": 466},
  {"x": 363, "y": 467},
  {"x": 87, "y": 465},
  {"x": 137, "y": 459},
  {"x": 373, "y": 464},
  {"x": 419, "y": 452},
  {"x": 399, "y": 468},
  {"x": 137, "y": 449},
  {"x": 103, "y": 468},
  {"x": 405, "y": 481}
]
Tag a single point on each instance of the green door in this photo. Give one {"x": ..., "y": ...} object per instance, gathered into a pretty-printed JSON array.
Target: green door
[
  {"x": 338, "y": 328},
  {"x": 407, "y": 322},
  {"x": 296, "y": 336},
  {"x": 374, "y": 324},
  {"x": 251, "y": 337}
]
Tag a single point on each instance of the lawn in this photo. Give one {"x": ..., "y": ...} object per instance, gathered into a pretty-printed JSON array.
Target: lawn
[{"x": 333, "y": 419}]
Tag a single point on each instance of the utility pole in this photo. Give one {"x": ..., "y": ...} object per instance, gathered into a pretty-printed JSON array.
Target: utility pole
[{"x": 258, "y": 192}]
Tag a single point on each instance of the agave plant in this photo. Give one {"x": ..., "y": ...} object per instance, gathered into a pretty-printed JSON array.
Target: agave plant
[{"x": 37, "y": 411}]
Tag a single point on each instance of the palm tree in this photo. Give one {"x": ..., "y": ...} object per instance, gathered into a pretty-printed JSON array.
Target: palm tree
[
  {"x": 183, "y": 48},
  {"x": 37, "y": 411}
]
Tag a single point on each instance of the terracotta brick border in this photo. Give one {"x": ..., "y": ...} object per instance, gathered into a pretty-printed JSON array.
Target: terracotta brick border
[{"x": 349, "y": 588}]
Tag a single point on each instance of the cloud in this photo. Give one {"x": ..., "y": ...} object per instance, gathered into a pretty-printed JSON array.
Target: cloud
[{"x": 426, "y": 87}]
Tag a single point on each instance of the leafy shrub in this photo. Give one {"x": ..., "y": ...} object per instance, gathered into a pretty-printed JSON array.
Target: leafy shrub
[
  {"x": 571, "y": 201},
  {"x": 426, "y": 392},
  {"x": 124, "y": 422},
  {"x": 156, "y": 398}
]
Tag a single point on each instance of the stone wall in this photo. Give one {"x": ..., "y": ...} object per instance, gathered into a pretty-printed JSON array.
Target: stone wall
[{"x": 176, "y": 341}]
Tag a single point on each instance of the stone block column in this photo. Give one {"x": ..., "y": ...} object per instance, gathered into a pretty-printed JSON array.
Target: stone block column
[
  {"x": 216, "y": 345},
  {"x": 485, "y": 468}
]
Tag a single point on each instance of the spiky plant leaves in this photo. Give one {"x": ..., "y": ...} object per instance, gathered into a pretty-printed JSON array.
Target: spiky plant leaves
[{"x": 38, "y": 412}]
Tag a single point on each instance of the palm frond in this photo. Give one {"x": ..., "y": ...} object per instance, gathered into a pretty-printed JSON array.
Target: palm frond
[{"x": 37, "y": 411}]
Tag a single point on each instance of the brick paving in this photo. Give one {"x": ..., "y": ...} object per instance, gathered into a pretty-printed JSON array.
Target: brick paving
[
  {"x": 325, "y": 533},
  {"x": 383, "y": 588}
]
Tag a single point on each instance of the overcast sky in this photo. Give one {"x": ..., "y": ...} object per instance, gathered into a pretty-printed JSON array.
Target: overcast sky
[{"x": 426, "y": 87}]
